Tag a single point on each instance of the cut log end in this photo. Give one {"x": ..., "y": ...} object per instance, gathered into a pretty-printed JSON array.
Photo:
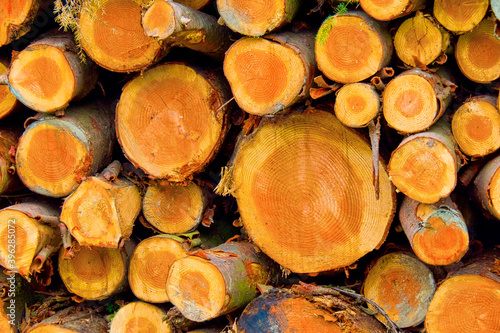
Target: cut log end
[
  {"x": 351, "y": 48},
  {"x": 410, "y": 103},
  {"x": 460, "y": 15},
  {"x": 255, "y": 18},
  {"x": 159, "y": 20},
  {"x": 266, "y": 77},
  {"x": 111, "y": 34},
  {"x": 174, "y": 209},
  {"x": 299, "y": 176},
  {"x": 356, "y": 104},
  {"x": 424, "y": 169},
  {"x": 478, "y": 53},
  {"x": 487, "y": 187},
  {"x": 197, "y": 288},
  {"x": 16, "y": 18},
  {"x": 476, "y": 127},
  {"x": 418, "y": 41},
  {"x": 403, "y": 286},
  {"x": 140, "y": 317},
  {"x": 8, "y": 101},
  {"x": 94, "y": 272},
  {"x": 479, "y": 295},
  {"x": 384, "y": 10},
  {"x": 50, "y": 159},
  {"x": 150, "y": 265},
  {"x": 167, "y": 139}
]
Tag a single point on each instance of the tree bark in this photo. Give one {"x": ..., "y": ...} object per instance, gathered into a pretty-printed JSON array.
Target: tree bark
[
  {"x": 16, "y": 295},
  {"x": 211, "y": 283},
  {"x": 352, "y": 47},
  {"x": 253, "y": 18},
  {"x": 16, "y": 18},
  {"x": 174, "y": 208},
  {"x": 48, "y": 74},
  {"x": 9, "y": 181},
  {"x": 476, "y": 126},
  {"x": 103, "y": 209},
  {"x": 96, "y": 273},
  {"x": 424, "y": 166},
  {"x": 140, "y": 316},
  {"x": 74, "y": 319},
  {"x": 269, "y": 74},
  {"x": 56, "y": 153},
  {"x": 438, "y": 233},
  {"x": 293, "y": 179},
  {"x": 172, "y": 120}
]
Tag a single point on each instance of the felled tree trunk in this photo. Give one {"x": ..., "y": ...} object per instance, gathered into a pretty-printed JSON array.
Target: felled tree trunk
[
  {"x": 173, "y": 208},
  {"x": 403, "y": 286},
  {"x": 293, "y": 179},
  {"x": 172, "y": 120},
  {"x": 9, "y": 181},
  {"x": 103, "y": 209},
  {"x": 438, "y": 233},
  {"x": 352, "y": 47},
  {"x": 297, "y": 310},
  {"x": 476, "y": 126},
  {"x": 74, "y": 319},
  {"x": 255, "y": 18},
  {"x": 390, "y": 10},
  {"x": 56, "y": 153},
  {"x": 211, "y": 283},
  {"x": 8, "y": 102},
  {"x": 356, "y": 104},
  {"x": 48, "y": 74},
  {"x": 468, "y": 300},
  {"x": 150, "y": 265},
  {"x": 29, "y": 234},
  {"x": 110, "y": 32},
  {"x": 415, "y": 100},
  {"x": 424, "y": 166},
  {"x": 269, "y": 74},
  {"x": 460, "y": 16},
  {"x": 139, "y": 317},
  {"x": 487, "y": 187},
  {"x": 16, "y": 18},
  {"x": 477, "y": 51},
  {"x": 95, "y": 273},
  {"x": 180, "y": 25},
  {"x": 419, "y": 41}
]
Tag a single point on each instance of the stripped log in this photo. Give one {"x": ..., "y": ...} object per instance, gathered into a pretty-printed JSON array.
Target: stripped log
[
  {"x": 477, "y": 53},
  {"x": 211, "y": 283},
  {"x": 172, "y": 119},
  {"x": 74, "y": 319},
  {"x": 48, "y": 74},
  {"x": 257, "y": 18},
  {"x": 389, "y": 10},
  {"x": 95, "y": 273},
  {"x": 476, "y": 126},
  {"x": 174, "y": 209},
  {"x": 401, "y": 285},
  {"x": 9, "y": 181},
  {"x": 8, "y": 102},
  {"x": 140, "y": 317},
  {"x": 460, "y": 16},
  {"x": 179, "y": 25},
  {"x": 56, "y": 153},
  {"x": 110, "y": 32},
  {"x": 352, "y": 47},
  {"x": 16, "y": 17},
  {"x": 438, "y": 233},
  {"x": 103, "y": 209},
  {"x": 269, "y": 74},
  {"x": 419, "y": 41},
  {"x": 29, "y": 234},
  {"x": 356, "y": 104},
  {"x": 150, "y": 265},
  {"x": 468, "y": 301},
  {"x": 415, "y": 100},
  {"x": 487, "y": 188},
  {"x": 287, "y": 311},
  {"x": 302, "y": 183},
  {"x": 424, "y": 166}
]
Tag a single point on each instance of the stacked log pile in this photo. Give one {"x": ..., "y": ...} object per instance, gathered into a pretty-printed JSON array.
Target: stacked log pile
[{"x": 249, "y": 166}]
